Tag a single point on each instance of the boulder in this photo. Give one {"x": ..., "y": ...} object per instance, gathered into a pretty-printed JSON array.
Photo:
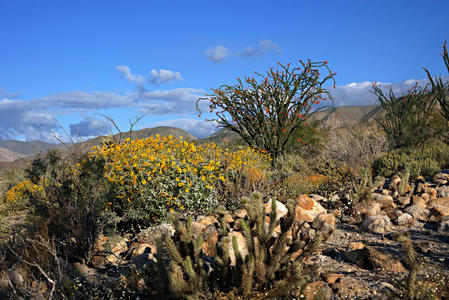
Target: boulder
[
  {"x": 404, "y": 201},
  {"x": 377, "y": 224},
  {"x": 418, "y": 212},
  {"x": 307, "y": 209}
]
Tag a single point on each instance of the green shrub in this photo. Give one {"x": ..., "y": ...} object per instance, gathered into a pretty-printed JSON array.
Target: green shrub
[{"x": 424, "y": 160}]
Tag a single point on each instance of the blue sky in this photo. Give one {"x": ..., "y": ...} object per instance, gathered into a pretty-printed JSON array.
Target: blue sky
[{"x": 65, "y": 62}]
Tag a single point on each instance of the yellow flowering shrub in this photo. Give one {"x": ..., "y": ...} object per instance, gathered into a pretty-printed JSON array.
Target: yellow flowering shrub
[
  {"x": 153, "y": 176},
  {"x": 22, "y": 192}
]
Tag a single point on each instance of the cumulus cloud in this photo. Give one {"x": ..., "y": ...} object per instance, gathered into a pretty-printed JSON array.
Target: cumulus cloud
[
  {"x": 358, "y": 93},
  {"x": 195, "y": 127},
  {"x": 164, "y": 76},
  {"x": 217, "y": 54},
  {"x": 174, "y": 101},
  {"x": 20, "y": 119},
  {"x": 90, "y": 127},
  {"x": 125, "y": 73}
]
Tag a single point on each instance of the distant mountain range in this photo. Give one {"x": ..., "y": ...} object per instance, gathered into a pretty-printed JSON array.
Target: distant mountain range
[{"x": 17, "y": 153}]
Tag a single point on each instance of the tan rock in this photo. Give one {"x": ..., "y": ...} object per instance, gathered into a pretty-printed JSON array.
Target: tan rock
[
  {"x": 377, "y": 224},
  {"x": 325, "y": 223},
  {"x": 417, "y": 200},
  {"x": 140, "y": 249},
  {"x": 355, "y": 246},
  {"x": 438, "y": 201},
  {"x": 418, "y": 212},
  {"x": 307, "y": 209},
  {"x": 437, "y": 212},
  {"x": 241, "y": 213},
  {"x": 386, "y": 201},
  {"x": 404, "y": 201},
  {"x": 330, "y": 277},
  {"x": 210, "y": 240}
]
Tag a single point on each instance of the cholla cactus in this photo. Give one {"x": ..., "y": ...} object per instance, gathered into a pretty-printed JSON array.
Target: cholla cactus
[{"x": 273, "y": 263}]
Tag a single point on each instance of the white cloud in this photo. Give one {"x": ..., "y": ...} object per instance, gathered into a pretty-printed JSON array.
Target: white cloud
[
  {"x": 262, "y": 48},
  {"x": 90, "y": 127},
  {"x": 125, "y": 73},
  {"x": 266, "y": 46},
  {"x": 4, "y": 94},
  {"x": 164, "y": 76},
  {"x": 195, "y": 127},
  {"x": 217, "y": 54},
  {"x": 174, "y": 101},
  {"x": 358, "y": 93}
]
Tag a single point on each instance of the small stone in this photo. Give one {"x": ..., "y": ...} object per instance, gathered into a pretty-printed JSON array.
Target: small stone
[
  {"x": 337, "y": 213},
  {"x": 404, "y": 219},
  {"x": 443, "y": 225},
  {"x": 241, "y": 213},
  {"x": 404, "y": 201},
  {"x": 330, "y": 277},
  {"x": 437, "y": 212},
  {"x": 355, "y": 246},
  {"x": 307, "y": 209},
  {"x": 377, "y": 224},
  {"x": 324, "y": 223},
  {"x": 386, "y": 201},
  {"x": 417, "y": 200},
  {"x": 418, "y": 212}
]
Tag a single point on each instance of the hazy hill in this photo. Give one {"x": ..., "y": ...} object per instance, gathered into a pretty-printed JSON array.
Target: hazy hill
[
  {"x": 346, "y": 116},
  {"x": 26, "y": 148},
  {"x": 8, "y": 155}
]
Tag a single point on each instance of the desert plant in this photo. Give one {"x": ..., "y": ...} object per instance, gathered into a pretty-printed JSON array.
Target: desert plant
[
  {"x": 152, "y": 177},
  {"x": 273, "y": 265},
  {"x": 403, "y": 185},
  {"x": 361, "y": 186},
  {"x": 266, "y": 112},
  {"x": 425, "y": 160},
  {"x": 356, "y": 147},
  {"x": 411, "y": 119},
  {"x": 440, "y": 88}
]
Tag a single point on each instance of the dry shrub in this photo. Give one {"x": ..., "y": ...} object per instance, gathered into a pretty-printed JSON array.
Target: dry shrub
[{"x": 355, "y": 147}]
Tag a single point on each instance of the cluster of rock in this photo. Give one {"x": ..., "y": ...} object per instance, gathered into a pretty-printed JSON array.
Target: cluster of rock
[{"x": 425, "y": 201}]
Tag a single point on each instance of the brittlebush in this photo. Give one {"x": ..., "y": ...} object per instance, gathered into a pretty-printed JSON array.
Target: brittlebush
[{"x": 157, "y": 175}]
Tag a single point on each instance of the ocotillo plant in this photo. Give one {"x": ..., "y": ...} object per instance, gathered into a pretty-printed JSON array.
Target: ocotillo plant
[
  {"x": 440, "y": 88},
  {"x": 266, "y": 112},
  {"x": 410, "y": 119},
  {"x": 273, "y": 264}
]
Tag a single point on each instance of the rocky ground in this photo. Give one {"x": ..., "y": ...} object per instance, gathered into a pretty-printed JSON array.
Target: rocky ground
[{"x": 362, "y": 258}]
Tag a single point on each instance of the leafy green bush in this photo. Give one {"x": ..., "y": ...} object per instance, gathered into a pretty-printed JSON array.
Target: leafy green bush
[{"x": 425, "y": 160}]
